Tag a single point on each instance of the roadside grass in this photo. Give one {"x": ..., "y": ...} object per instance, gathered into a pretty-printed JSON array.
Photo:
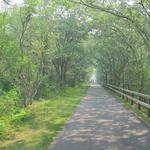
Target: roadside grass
[
  {"x": 44, "y": 121},
  {"x": 141, "y": 114}
]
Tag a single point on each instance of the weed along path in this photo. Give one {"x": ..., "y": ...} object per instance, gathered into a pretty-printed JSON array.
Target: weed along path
[{"x": 102, "y": 123}]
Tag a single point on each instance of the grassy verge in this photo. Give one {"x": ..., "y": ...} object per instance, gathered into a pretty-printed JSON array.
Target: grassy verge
[
  {"x": 141, "y": 114},
  {"x": 43, "y": 121}
]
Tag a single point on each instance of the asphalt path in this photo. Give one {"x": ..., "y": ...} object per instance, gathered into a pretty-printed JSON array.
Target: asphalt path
[{"x": 102, "y": 123}]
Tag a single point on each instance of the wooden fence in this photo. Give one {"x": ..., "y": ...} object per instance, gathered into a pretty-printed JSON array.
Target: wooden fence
[{"x": 132, "y": 96}]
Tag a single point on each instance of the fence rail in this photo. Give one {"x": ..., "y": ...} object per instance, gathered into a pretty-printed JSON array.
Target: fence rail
[{"x": 132, "y": 96}]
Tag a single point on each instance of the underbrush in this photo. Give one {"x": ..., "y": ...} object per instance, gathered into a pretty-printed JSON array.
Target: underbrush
[{"x": 35, "y": 127}]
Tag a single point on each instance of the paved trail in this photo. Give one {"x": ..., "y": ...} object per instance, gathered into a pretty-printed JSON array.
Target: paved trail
[{"x": 102, "y": 123}]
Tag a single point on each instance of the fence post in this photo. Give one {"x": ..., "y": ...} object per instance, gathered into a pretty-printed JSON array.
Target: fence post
[
  {"x": 139, "y": 106},
  {"x": 127, "y": 97},
  {"x": 148, "y": 109},
  {"x": 122, "y": 95},
  {"x": 127, "y": 94},
  {"x": 131, "y": 99}
]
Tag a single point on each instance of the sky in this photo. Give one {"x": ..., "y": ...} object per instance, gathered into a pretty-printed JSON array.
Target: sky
[
  {"x": 20, "y": 1},
  {"x": 17, "y": 1},
  {"x": 13, "y": 2}
]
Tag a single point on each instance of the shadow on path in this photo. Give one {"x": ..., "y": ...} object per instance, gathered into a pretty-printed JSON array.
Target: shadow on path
[{"x": 102, "y": 123}]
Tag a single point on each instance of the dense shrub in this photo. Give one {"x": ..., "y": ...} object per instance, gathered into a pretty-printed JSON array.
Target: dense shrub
[
  {"x": 9, "y": 103},
  {"x": 2, "y": 130},
  {"x": 20, "y": 117}
]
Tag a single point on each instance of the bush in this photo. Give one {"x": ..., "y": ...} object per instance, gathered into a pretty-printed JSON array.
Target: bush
[
  {"x": 2, "y": 130},
  {"x": 9, "y": 103},
  {"x": 21, "y": 117}
]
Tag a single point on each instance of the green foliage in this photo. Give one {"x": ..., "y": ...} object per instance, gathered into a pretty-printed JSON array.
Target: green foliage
[
  {"x": 47, "y": 46},
  {"x": 9, "y": 103},
  {"x": 20, "y": 117},
  {"x": 121, "y": 44},
  {"x": 35, "y": 127},
  {"x": 2, "y": 130},
  {"x": 41, "y": 49}
]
